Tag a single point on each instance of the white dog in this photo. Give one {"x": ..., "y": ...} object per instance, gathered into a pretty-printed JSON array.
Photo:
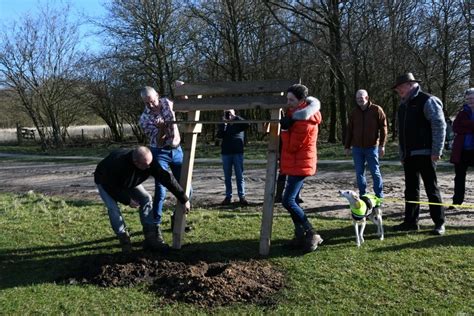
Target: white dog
[{"x": 367, "y": 206}]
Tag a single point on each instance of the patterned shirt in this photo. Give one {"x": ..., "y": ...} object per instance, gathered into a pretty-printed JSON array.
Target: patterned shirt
[{"x": 152, "y": 118}]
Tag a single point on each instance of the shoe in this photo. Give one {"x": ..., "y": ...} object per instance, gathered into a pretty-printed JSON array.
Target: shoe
[
  {"x": 404, "y": 227},
  {"x": 299, "y": 200},
  {"x": 453, "y": 207},
  {"x": 243, "y": 201},
  {"x": 125, "y": 243},
  {"x": 226, "y": 201},
  {"x": 311, "y": 241},
  {"x": 154, "y": 239},
  {"x": 439, "y": 230}
]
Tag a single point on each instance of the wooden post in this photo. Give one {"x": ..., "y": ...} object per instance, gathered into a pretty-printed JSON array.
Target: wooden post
[
  {"x": 190, "y": 138},
  {"x": 19, "y": 137},
  {"x": 270, "y": 179}
]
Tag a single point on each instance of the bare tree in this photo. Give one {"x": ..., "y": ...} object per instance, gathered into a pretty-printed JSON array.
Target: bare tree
[{"x": 38, "y": 59}]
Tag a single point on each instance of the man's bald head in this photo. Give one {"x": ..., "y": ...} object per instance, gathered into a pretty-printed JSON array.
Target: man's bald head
[{"x": 142, "y": 157}]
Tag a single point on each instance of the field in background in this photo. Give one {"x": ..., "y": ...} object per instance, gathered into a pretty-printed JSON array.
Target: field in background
[{"x": 88, "y": 132}]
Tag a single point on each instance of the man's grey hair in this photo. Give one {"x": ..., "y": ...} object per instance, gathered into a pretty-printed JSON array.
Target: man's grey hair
[
  {"x": 148, "y": 91},
  {"x": 469, "y": 91}
]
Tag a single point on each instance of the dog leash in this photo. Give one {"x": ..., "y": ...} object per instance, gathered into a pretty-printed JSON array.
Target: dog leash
[{"x": 430, "y": 203}]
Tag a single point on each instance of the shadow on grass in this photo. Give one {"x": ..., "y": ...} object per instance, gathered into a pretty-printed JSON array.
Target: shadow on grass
[
  {"x": 462, "y": 237},
  {"x": 37, "y": 265}
]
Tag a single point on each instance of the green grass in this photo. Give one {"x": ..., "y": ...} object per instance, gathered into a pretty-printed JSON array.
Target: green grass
[{"x": 44, "y": 238}]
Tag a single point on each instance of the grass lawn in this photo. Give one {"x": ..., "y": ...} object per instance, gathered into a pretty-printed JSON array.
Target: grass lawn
[{"x": 44, "y": 238}]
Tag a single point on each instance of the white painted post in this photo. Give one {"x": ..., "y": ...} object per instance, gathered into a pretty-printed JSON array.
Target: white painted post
[
  {"x": 190, "y": 138},
  {"x": 270, "y": 180}
]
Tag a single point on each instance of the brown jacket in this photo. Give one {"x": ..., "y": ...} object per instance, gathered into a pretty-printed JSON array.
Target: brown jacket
[{"x": 366, "y": 128}]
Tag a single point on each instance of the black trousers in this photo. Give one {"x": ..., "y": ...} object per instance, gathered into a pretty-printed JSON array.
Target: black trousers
[
  {"x": 415, "y": 166},
  {"x": 467, "y": 160}
]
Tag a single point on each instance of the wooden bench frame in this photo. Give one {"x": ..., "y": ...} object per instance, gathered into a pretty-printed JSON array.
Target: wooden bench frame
[
  {"x": 193, "y": 98},
  {"x": 28, "y": 133}
]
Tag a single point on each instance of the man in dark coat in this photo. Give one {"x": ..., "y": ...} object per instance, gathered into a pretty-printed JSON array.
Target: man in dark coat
[{"x": 119, "y": 177}]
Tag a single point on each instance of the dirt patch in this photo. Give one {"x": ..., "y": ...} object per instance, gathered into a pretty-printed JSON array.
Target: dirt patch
[{"x": 203, "y": 284}]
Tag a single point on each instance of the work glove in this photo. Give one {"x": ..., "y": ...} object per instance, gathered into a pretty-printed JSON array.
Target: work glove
[{"x": 286, "y": 122}]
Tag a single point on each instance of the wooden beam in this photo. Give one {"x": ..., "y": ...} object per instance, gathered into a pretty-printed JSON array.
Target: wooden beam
[
  {"x": 270, "y": 179},
  {"x": 233, "y": 87},
  {"x": 189, "y": 149},
  {"x": 231, "y": 102}
]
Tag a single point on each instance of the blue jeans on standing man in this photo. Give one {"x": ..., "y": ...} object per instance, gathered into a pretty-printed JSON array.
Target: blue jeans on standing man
[
  {"x": 301, "y": 222},
  {"x": 169, "y": 159},
  {"x": 369, "y": 155},
  {"x": 140, "y": 195},
  {"x": 236, "y": 161}
]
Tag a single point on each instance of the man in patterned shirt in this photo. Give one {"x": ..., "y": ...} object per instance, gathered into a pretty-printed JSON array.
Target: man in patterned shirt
[{"x": 164, "y": 142}]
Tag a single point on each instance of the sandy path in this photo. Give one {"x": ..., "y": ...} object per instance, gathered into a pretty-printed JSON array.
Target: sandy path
[{"x": 75, "y": 181}]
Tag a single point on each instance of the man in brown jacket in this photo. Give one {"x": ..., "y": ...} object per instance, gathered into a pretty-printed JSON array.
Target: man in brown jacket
[{"x": 366, "y": 134}]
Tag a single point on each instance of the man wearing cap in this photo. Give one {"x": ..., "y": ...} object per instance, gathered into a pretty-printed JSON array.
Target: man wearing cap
[{"x": 422, "y": 130}]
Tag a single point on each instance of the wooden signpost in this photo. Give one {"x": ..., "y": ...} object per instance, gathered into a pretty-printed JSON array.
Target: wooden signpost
[{"x": 193, "y": 98}]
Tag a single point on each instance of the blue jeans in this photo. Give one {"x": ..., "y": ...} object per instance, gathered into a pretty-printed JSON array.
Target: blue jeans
[
  {"x": 138, "y": 194},
  {"x": 169, "y": 159},
  {"x": 301, "y": 222},
  {"x": 237, "y": 161},
  {"x": 370, "y": 156}
]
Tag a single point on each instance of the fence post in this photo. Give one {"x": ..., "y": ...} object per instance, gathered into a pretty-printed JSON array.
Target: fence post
[{"x": 19, "y": 137}]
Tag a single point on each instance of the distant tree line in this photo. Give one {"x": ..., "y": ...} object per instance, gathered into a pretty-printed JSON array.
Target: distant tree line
[{"x": 335, "y": 47}]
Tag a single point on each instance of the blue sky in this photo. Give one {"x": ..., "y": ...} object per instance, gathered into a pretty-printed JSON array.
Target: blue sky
[{"x": 11, "y": 10}]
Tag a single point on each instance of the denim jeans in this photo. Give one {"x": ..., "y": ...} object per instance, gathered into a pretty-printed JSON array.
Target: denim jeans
[
  {"x": 301, "y": 222},
  {"x": 138, "y": 194},
  {"x": 169, "y": 159},
  {"x": 236, "y": 161},
  {"x": 370, "y": 156},
  {"x": 415, "y": 166}
]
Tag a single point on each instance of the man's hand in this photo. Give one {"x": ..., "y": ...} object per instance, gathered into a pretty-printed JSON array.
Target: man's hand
[
  {"x": 381, "y": 151},
  {"x": 347, "y": 151},
  {"x": 134, "y": 204},
  {"x": 434, "y": 158},
  {"x": 187, "y": 207}
]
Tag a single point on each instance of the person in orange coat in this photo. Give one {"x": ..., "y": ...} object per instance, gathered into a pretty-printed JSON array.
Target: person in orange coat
[{"x": 298, "y": 160}]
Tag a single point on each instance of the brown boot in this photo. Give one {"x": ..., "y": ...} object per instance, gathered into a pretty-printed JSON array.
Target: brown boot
[
  {"x": 154, "y": 239},
  {"x": 125, "y": 243}
]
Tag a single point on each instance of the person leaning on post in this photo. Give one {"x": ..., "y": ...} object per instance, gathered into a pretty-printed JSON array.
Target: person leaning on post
[
  {"x": 119, "y": 178},
  {"x": 164, "y": 140},
  {"x": 298, "y": 160}
]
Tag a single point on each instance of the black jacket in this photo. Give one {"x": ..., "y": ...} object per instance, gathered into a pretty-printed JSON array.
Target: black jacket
[
  {"x": 117, "y": 173},
  {"x": 232, "y": 137}
]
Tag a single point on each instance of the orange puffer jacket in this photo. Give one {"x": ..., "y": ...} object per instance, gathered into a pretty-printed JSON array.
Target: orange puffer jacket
[{"x": 299, "y": 153}]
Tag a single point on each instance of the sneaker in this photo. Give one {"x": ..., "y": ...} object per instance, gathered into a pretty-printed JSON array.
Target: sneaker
[
  {"x": 439, "y": 230},
  {"x": 226, "y": 201},
  {"x": 452, "y": 208},
  {"x": 299, "y": 200},
  {"x": 311, "y": 241},
  {"x": 243, "y": 201},
  {"x": 404, "y": 227}
]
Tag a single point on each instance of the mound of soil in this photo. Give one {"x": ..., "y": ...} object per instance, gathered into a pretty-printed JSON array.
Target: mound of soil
[{"x": 203, "y": 284}]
